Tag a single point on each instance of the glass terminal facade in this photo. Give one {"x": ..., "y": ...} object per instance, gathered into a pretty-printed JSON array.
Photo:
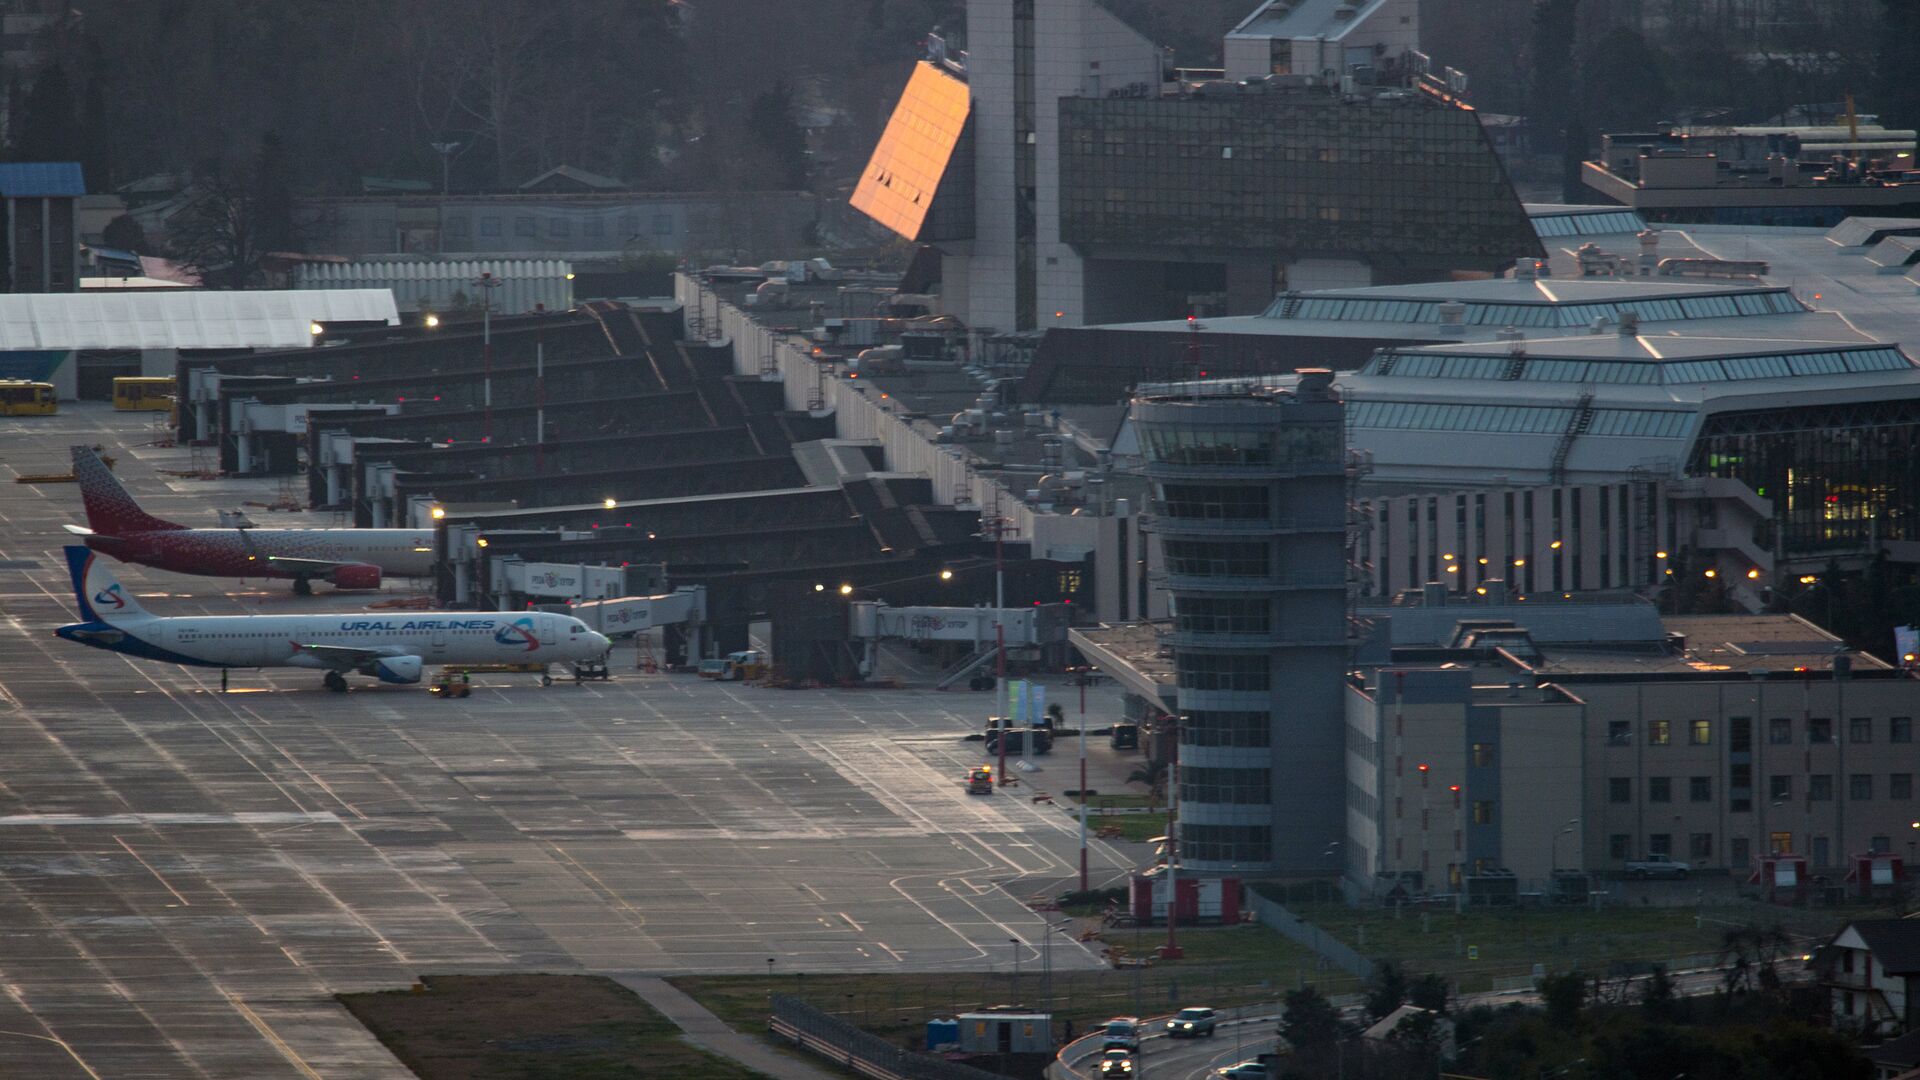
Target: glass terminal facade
[
  {"x": 1403, "y": 183},
  {"x": 1249, "y": 505},
  {"x": 1839, "y": 476}
]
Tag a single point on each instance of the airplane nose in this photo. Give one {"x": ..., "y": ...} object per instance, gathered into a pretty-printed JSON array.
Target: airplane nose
[{"x": 603, "y": 641}]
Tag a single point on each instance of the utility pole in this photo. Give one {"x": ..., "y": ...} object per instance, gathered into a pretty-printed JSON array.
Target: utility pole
[
  {"x": 540, "y": 399},
  {"x": 1083, "y": 780},
  {"x": 1171, "y": 950},
  {"x": 486, "y": 283},
  {"x": 1015, "y": 942},
  {"x": 446, "y": 151}
]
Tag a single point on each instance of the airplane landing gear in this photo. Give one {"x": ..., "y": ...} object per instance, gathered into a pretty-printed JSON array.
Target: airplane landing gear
[
  {"x": 302, "y": 587},
  {"x": 336, "y": 682}
]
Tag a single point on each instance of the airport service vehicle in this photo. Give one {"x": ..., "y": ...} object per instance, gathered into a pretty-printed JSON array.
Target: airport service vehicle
[
  {"x": 1002, "y": 727},
  {"x": 393, "y": 648},
  {"x": 1190, "y": 1023},
  {"x": 349, "y": 558},
  {"x": 21, "y": 398},
  {"x": 1662, "y": 866},
  {"x": 1121, "y": 1033},
  {"x": 143, "y": 393},
  {"x": 980, "y": 780},
  {"x": 735, "y": 666},
  {"x": 1117, "y": 1063}
]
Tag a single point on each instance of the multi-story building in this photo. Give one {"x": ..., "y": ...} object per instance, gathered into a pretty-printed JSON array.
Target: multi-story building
[
  {"x": 1764, "y": 176},
  {"x": 43, "y": 246},
  {"x": 1586, "y": 733},
  {"x": 1869, "y": 971},
  {"x": 1065, "y": 177},
  {"x": 1248, "y": 507}
]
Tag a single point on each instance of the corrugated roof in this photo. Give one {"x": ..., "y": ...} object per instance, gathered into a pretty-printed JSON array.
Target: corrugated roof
[
  {"x": 429, "y": 283},
  {"x": 179, "y": 319},
  {"x": 34, "y": 179}
]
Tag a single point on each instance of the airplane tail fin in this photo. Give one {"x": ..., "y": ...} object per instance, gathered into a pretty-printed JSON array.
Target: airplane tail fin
[
  {"x": 111, "y": 511},
  {"x": 102, "y": 598}
]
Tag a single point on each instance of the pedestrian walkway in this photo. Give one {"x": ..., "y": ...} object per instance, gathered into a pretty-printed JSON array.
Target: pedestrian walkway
[{"x": 709, "y": 1032}]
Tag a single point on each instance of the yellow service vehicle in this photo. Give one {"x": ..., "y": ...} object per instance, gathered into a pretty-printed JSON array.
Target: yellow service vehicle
[
  {"x": 18, "y": 397},
  {"x": 143, "y": 393}
]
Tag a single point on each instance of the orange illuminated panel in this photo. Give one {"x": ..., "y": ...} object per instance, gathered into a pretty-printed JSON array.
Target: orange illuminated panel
[{"x": 897, "y": 187}]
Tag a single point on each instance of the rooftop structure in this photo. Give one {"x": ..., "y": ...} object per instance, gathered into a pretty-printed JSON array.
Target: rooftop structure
[
  {"x": 1066, "y": 178},
  {"x": 1776, "y": 176},
  {"x": 43, "y": 240}
]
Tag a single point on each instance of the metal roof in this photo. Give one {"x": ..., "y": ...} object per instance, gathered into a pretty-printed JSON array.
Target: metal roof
[
  {"x": 34, "y": 179},
  {"x": 181, "y": 319},
  {"x": 1305, "y": 19},
  {"x": 429, "y": 283}
]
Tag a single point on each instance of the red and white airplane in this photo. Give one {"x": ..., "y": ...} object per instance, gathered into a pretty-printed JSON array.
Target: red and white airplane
[{"x": 349, "y": 558}]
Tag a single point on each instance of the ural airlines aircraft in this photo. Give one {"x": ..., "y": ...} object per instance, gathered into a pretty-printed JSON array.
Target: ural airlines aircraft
[
  {"x": 391, "y": 648},
  {"x": 349, "y": 558}
]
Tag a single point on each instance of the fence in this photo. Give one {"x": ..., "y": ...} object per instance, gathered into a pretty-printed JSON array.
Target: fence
[
  {"x": 863, "y": 1053},
  {"x": 1334, "y": 951}
]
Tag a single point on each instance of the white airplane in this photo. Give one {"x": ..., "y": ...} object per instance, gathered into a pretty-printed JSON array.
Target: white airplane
[
  {"x": 390, "y": 647},
  {"x": 349, "y": 558}
]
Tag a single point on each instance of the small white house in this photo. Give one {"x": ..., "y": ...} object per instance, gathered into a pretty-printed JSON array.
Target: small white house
[{"x": 1870, "y": 969}]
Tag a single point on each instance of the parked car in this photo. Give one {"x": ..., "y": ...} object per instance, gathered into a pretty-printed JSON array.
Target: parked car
[
  {"x": 1117, "y": 1062},
  {"x": 1190, "y": 1023},
  {"x": 1121, "y": 1033},
  {"x": 1663, "y": 866}
]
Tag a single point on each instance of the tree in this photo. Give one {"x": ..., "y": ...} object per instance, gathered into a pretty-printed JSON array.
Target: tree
[
  {"x": 1658, "y": 999},
  {"x": 1749, "y": 953},
  {"x": 1623, "y": 81},
  {"x": 96, "y": 137},
  {"x": 216, "y": 234},
  {"x": 1386, "y": 989},
  {"x": 770, "y": 120},
  {"x": 273, "y": 196},
  {"x": 125, "y": 233},
  {"x": 49, "y": 120},
  {"x": 1563, "y": 996},
  {"x": 1153, "y": 774},
  {"x": 1556, "y": 91},
  {"x": 1430, "y": 991},
  {"x": 1897, "y": 64},
  {"x": 1310, "y": 1021}
]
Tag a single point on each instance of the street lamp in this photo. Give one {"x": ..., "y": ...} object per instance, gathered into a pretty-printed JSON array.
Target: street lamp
[
  {"x": 1015, "y": 942},
  {"x": 446, "y": 151},
  {"x": 1569, "y": 827}
]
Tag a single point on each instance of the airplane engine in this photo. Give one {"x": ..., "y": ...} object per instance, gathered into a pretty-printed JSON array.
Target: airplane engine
[
  {"x": 355, "y": 576},
  {"x": 398, "y": 669}
]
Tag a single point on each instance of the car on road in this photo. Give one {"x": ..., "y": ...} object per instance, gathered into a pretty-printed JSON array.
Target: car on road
[
  {"x": 1246, "y": 1070},
  {"x": 1121, "y": 1033},
  {"x": 1117, "y": 1062},
  {"x": 1661, "y": 866},
  {"x": 1190, "y": 1023}
]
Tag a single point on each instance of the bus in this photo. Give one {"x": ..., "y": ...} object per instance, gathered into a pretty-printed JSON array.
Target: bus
[
  {"x": 18, "y": 397},
  {"x": 140, "y": 393}
]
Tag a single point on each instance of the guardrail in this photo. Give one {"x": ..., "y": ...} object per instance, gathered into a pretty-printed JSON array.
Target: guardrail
[
  {"x": 1154, "y": 1027},
  {"x": 859, "y": 1051}
]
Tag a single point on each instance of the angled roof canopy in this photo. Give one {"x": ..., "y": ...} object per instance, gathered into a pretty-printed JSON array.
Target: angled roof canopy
[{"x": 896, "y": 189}]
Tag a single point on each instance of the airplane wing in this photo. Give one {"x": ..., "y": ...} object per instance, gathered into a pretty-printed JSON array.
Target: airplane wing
[
  {"x": 306, "y": 566},
  {"x": 345, "y": 657},
  {"x": 79, "y": 530}
]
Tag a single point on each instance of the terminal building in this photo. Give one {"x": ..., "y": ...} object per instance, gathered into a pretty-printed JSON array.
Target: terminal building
[{"x": 1058, "y": 174}]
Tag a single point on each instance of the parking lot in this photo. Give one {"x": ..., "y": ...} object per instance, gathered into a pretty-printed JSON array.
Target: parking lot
[{"x": 185, "y": 875}]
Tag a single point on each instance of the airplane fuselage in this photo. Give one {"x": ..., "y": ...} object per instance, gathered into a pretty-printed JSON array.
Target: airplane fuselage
[
  {"x": 251, "y": 552},
  {"x": 304, "y": 641}
]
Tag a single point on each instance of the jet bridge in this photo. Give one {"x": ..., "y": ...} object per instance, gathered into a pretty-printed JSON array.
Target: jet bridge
[{"x": 984, "y": 629}]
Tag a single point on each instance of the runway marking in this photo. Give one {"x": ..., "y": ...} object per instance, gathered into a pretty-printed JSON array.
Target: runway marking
[
  {"x": 258, "y": 817},
  {"x": 890, "y": 952},
  {"x": 853, "y": 924},
  {"x": 184, "y": 902},
  {"x": 267, "y": 1033},
  {"x": 811, "y": 890}
]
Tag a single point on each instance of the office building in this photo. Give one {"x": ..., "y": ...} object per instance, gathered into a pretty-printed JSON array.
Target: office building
[{"x": 1104, "y": 186}]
